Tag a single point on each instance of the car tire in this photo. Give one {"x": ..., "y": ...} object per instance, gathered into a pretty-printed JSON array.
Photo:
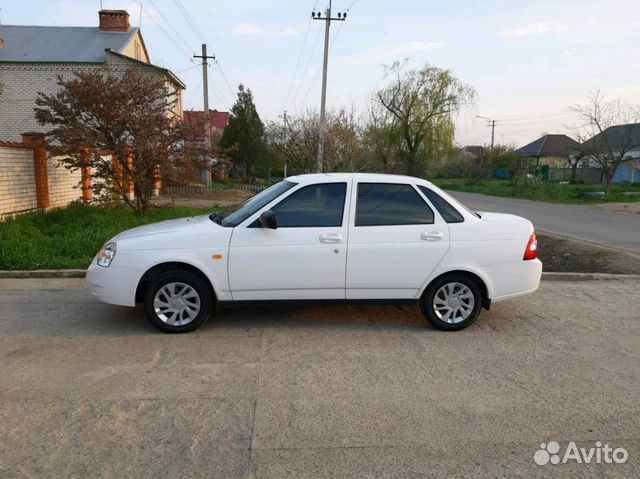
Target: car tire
[
  {"x": 451, "y": 302},
  {"x": 178, "y": 301}
]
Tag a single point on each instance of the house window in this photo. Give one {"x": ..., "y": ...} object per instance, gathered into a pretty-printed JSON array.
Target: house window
[{"x": 138, "y": 51}]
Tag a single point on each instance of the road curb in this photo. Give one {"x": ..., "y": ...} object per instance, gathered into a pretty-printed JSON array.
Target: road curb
[
  {"x": 586, "y": 276},
  {"x": 81, "y": 273},
  {"x": 44, "y": 273}
]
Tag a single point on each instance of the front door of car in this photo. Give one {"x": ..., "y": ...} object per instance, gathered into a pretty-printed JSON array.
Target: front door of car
[
  {"x": 395, "y": 242},
  {"x": 304, "y": 257}
]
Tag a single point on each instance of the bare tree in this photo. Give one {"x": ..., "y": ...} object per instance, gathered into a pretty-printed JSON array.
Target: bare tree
[
  {"x": 295, "y": 140},
  {"x": 422, "y": 104},
  {"x": 608, "y": 131},
  {"x": 121, "y": 128}
]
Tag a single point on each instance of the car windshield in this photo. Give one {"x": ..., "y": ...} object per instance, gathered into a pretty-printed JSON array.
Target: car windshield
[{"x": 236, "y": 215}]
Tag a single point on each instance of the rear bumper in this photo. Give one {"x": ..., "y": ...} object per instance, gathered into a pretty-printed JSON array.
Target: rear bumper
[
  {"x": 511, "y": 280},
  {"x": 113, "y": 285}
]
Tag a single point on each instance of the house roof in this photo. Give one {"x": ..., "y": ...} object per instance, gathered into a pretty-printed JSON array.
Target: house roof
[
  {"x": 167, "y": 72},
  {"x": 549, "y": 145},
  {"x": 620, "y": 137},
  {"x": 27, "y": 43},
  {"x": 217, "y": 119}
]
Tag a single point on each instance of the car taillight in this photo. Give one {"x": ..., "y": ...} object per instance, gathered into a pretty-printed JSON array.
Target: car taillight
[{"x": 532, "y": 248}]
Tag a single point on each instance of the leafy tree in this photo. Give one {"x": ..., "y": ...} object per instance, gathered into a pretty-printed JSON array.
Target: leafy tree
[
  {"x": 422, "y": 104},
  {"x": 121, "y": 127},
  {"x": 381, "y": 139},
  {"x": 244, "y": 134}
]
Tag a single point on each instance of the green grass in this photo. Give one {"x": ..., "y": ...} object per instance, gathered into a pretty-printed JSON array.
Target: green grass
[
  {"x": 550, "y": 192},
  {"x": 70, "y": 238}
]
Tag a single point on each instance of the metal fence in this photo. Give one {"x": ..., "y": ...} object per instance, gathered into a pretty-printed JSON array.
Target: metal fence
[
  {"x": 584, "y": 175},
  {"x": 199, "y": 190}
]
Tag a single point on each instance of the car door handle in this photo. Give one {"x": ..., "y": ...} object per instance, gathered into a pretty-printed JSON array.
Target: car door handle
[
  {"x": 432, "y": 235},
  {"x": 331, "y": 238}
]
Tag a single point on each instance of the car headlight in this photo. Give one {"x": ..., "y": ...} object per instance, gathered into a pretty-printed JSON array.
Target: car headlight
[{"x": 106, "y": 255}]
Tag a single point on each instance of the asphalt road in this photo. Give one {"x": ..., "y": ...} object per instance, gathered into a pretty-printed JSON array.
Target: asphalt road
[
  {"x": 91, "y": 390},
  {"x": 617, "y": 230}
]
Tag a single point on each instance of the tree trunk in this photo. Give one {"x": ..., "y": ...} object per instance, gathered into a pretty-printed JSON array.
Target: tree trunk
[{"x": 574, "y": 172}]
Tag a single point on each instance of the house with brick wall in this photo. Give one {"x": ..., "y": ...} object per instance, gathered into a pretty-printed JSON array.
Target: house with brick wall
[{"x": 31, "y": 59}]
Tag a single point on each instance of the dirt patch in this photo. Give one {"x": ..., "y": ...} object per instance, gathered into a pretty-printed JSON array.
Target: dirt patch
[
  {"x": 563, "y": 255},
  {"x": 618, "y": 207},
  {"x": 203, "y": 200}
]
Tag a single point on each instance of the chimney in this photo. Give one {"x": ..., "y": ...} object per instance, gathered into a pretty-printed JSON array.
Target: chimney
[{"x": 114, "y": 21}]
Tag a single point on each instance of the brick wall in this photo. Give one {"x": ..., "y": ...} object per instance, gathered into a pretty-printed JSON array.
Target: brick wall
[
  {"x": 17, "y": 180},
  {"x": 23, "y": 81},
  {"x": 64, "y": 184}
]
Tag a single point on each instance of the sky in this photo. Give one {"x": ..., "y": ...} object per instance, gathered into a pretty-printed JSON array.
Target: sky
[{"x": 528, "y": 61}]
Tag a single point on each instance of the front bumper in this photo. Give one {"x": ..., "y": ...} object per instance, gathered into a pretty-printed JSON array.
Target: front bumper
[{"x": 113, "y": 285}]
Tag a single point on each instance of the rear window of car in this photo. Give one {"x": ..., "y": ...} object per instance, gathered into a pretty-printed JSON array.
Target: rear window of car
[
  {"x": 446, "y": 209},
  {"x": 383, "y": 204}
]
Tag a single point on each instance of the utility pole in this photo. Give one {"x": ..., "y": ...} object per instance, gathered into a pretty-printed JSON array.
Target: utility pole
[
  {"x": 492, "y": 124},
  {"x": 286, "y": 125},
  {"x": 323, "y": 101},
  {"x": 205, "y": 91}
]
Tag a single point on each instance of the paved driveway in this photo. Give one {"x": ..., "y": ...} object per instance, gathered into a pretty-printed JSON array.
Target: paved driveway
[
  {"x": 91, "y": 390},
  {"x": 618, "y": 230}
]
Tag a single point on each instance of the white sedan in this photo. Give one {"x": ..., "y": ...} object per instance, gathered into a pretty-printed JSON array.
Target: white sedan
[{"x": 337, "y": 236}]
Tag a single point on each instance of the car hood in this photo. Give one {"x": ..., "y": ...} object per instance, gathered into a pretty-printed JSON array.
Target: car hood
[{"x": 162, "y": 227}]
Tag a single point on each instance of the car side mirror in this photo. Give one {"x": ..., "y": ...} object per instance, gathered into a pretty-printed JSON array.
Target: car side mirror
[{"x": 268, "y": 220}]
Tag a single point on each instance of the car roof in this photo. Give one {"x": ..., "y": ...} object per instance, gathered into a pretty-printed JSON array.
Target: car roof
[{"x": 363, "y": 177}]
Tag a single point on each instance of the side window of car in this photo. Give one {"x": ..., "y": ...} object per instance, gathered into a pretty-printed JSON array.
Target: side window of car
[
  {"x": 446, "y": 209},
  {"x": 381, "y": 204},
  {"x": 320, "y": 205}
]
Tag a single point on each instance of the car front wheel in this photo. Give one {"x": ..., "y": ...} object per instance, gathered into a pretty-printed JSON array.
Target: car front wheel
[
  {"x": 178, "y": 302},
  {"x": 452, "y": 302}
]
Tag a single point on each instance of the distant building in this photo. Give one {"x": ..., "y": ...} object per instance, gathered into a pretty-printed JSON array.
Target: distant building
[
  {"x": 620, "y": 138},
  {"x": 218, "y": 121},
  {"x": 32, "y": 57},
  {"x": 553, "y": 150}
]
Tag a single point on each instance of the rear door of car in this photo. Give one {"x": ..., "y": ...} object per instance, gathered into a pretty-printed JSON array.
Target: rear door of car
[{"x": 395, "y": 241}]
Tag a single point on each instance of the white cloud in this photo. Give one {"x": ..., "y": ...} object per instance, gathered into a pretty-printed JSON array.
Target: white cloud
[
  {"x": 565, "y": 54},
  {"x": 388, "y": 51},
  {"x": 252, "y": 29},
  {"x": 539, "y": 28}
]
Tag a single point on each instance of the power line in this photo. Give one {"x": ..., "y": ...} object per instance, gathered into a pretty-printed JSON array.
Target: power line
[
  {"x": 185, "y": 52},
  {"x": 315, "y": 78},
  {"x": 295, "y": 73},
  {"x": 313, "y": 49},
  {"x": 170, "y": 24},
  {"x": 189, "y": 19},
  {"x": 224, "y": 77}
]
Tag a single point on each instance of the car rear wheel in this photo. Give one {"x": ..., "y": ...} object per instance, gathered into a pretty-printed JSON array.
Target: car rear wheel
[
  {"x": 178, "y": 302},
  {"x": 452, "y": 302}
]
